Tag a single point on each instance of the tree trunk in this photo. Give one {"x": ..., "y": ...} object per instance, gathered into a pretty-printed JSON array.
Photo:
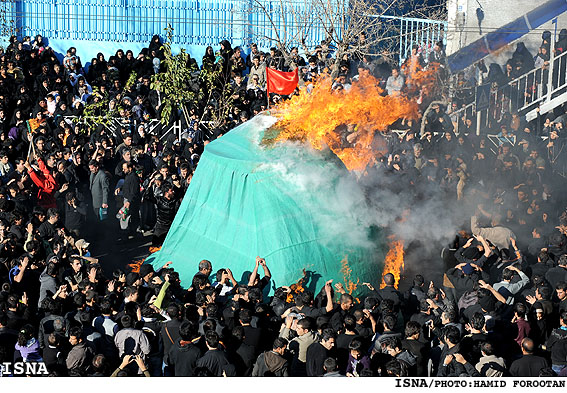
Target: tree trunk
[{"x": 429, "y": 109}]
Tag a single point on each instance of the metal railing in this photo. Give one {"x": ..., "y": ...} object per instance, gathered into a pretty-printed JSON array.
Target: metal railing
[
  {"x": 194, "y": 22},
  {"x": 423, "y": 33},
  {"x": 152, "y": 127},
  {"x": 524, "y": 93}
]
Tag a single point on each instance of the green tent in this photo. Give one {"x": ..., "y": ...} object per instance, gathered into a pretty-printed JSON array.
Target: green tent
[{"x": 294, "y": 206}]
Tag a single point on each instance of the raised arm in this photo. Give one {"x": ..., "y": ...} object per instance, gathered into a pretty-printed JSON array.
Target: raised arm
[
  {"x": 496, "y": 294},
  {"x": 254, "y": 272},
  {"x": 329, "y": 306},
  {"x": 265, "y": 267}
]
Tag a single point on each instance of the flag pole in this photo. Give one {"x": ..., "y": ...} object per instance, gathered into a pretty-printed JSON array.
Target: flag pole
[{"x": 268, "y": 88}]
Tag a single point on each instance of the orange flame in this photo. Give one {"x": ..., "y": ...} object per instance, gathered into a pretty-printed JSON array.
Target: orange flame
[
  {"x": 154, "y": 249},
  {"x": 296, "y": 288},
  {"x": 137, "y": 264},
  {"x": 318, "y": 117},
  {"x": 423, "y": 80},
  {"x": 394, "y": 262},
  {"x": 350, "y": 286}
]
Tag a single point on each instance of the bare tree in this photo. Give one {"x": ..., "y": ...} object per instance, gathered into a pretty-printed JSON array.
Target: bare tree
[{"x": 354, "y": 28}]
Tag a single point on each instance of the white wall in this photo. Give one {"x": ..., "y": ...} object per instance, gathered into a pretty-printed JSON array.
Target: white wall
[{"x": 496, "y": 14}]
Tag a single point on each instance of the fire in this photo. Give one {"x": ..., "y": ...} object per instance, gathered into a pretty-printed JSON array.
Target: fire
[
  {"x": 394, "y": 262},
  {"x": 349, "y": 285},
  {"x": 322, "y": 116},
  {"x": 424, "y": 80},
  {"x": 296, "y": 288},
  {"x": 137, "y": 264}
]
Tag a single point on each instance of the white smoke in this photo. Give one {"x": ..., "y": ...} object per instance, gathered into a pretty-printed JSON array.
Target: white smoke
[{"x": 350, "y": 207}]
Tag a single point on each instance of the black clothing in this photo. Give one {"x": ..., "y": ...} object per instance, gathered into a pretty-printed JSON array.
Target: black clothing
[
  {"x": 389, "y": 292},
  {"x": 556, "y": 274},
  {"x": 243, "y": 359},
  {"x": 170, "y": 334},
  {"x": 183, "y": 359},
  {"x": 316, "y": 355},
  {"x": 8, "y": 339},
  {"x": 47, "y": 230},
  {"x": 421, "y": 353},
  {"x": 253, "y": 337},
  {"x": 131, "y": 188},
  {"x": 215, "y": 361},
  {"x": 557, "y": 344},
  {"x": 75, "y": 217},
  {"x": 528, "y": 366}
]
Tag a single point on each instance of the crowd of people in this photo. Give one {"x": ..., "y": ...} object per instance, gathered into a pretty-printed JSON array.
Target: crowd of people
[{"x": 498, "y": 307}]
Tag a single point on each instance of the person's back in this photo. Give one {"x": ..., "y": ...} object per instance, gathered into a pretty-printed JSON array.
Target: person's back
[
  {"x": 529, "y": 365},
  {"x": 243, "y": 359},
  {"x": 556, "y": 274},
  {"x": 8, "y": 337},
  {"x": 183, "y": 357},
  {"x": 420, "y": 351},
  {"x": 48, "y": 283},
  {"x": 215, "y": 359},
  {"x": 491, "y": 366},
  {"x": 131, "y": 341},
  {"x": 390, "y": 292},
  {"x": 557, "y": 345},
  {"x": 272, "y": 363},
  {"x": 170, "y": 330}
]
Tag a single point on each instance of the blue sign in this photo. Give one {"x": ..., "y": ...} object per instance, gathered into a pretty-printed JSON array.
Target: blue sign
[{"x": 505, "y": 35}]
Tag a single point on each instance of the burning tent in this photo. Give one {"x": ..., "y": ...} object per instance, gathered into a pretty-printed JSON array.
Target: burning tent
[{"x": 297, "y": 207}]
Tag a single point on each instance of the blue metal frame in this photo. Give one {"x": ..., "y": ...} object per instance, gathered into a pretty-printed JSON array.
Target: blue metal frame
[{"x": 195, "y": 22}]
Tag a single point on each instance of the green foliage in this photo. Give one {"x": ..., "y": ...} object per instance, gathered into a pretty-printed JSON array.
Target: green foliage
[
  {"x": 96, "y": 112},
  {"x": 173, "y": 82},
  {"x": 7, "y": 25}
]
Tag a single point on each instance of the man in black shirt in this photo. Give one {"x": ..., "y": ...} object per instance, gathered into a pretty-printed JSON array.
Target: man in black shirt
[
  {"x": 561, "y": 292},
  {"x": 215, "y": 359},
  {"x": 132, "y": 196},
  {"x": 529, "y": 365},
  {"x": 318, "y": 352},
  {"x": 167, "y": 206},
  {"x": 183, "y": 355},
  {"x": 47, "y": 229}
]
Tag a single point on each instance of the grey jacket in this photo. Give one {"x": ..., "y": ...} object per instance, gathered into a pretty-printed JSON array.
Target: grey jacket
[
  {"x": 499, "y": 236},
  {"x": 79, "y": 357},
  {"x": 100, "y": 188},
  {"x": 514, "y": 288},
  {"x": 132, "y": 340},
  {"x": 304, "y": 342},
  {"x": 491, "y": 366},
  {"x": 47, "y": 284}
]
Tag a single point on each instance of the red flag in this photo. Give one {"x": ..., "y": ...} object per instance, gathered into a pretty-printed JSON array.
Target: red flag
[{"x": 280, "y": 82}]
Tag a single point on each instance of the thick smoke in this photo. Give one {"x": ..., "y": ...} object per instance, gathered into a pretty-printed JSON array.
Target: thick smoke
[{"x": 352, "y": 203}]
